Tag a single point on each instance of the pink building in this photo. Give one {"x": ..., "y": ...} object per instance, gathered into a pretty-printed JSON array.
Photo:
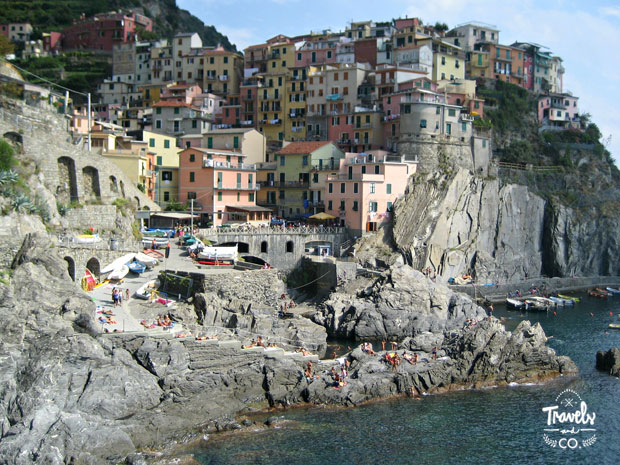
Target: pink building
[
  {"x": 181, "y": 92},
  {"x": 559, "y": 110},
  {"x": 103, "y": 30},
  {"x": 368, "y": 184},
  {"x": 317, "y": 52},
  {"x": 222, "y": 186}
]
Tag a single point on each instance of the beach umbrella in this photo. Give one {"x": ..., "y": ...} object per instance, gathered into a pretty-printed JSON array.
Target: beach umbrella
[{"x": 322, "y": 216}]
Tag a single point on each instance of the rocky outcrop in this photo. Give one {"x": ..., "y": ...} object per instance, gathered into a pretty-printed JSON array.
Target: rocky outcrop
[
  {"x": 609, "y": 361},
  {"x": 402, "y": 303},
  {"x": 250, "y": 305},
  {"x": 463, "y": 224}
]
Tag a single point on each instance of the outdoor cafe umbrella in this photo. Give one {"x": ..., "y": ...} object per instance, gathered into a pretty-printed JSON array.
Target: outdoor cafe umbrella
[{"x": 322, "y": 216}]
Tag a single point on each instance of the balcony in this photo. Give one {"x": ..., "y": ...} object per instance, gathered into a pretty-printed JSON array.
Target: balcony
[
  {"x": 333, "y": 97},
  {"x": 329, "y": 166},
  {"x": 206, "y": 163},
  {"x": 237, "y": 187},
  {"x": 223, "y": 77},
  {"x": 291, "y": 184}
]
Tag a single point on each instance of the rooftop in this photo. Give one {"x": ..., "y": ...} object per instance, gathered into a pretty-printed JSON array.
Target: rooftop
[{"x": 303, "y": 147}]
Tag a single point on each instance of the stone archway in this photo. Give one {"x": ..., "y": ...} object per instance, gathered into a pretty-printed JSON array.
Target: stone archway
[
  {"x": 67, "y": 190},
  {"x": 94, "y": 266},
  {"x": 14, "y": 137},
  {"x": 137, "y": 200},
  {"x": 90, "y": 180},
  {"x": 70, "y": 267},
  {"x": 113, "y": 184}
]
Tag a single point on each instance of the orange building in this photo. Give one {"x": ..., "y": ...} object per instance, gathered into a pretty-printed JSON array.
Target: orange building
[{"x": 222, "y": 186}]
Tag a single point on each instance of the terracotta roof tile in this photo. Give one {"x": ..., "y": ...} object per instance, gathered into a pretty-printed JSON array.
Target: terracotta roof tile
[{"x": 303, "y": 147}]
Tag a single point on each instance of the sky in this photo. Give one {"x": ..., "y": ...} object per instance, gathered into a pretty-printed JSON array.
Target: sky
[{"x": 583, "y": 33}]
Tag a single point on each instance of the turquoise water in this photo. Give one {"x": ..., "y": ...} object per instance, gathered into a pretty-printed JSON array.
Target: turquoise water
[{"x": 503, "y": 425}]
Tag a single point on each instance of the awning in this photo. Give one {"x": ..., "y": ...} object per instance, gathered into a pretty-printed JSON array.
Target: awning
[
  {"x": 322, "y": 216},
  {"x": 174, "y": 216},
  {"x": 247, "y": 208}
]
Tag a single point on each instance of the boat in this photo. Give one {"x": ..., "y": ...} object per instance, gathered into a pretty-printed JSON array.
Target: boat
[
  {"x": 535, "y": 306},
  {"x": 136, "y": 267},
  {"x": 87, "y": 238},
  {"x": 612, "y": 290},
  {"x": 187, "y": 239},
  {"x": 146, "y": 260},
  {"x": 218, "y": 253},
  {"x": 146, "y": 290},
  {"x": 597, "y": 294},
  {"x": 197, "y": 246},
  {"x": 603, "y": 291},
  {"x": 118, "y": 263},
  {"x": 157, "y": 233},
  {"x": 562, "y": 301},
  {"x": 154, "y": 254},
  {"x": 544, "y": 301},
  {"x": 514, "y": 303},
  {"x": 614, "y": 325},
  {"x": 159, "y": 242},
  {"x": 119, "y": 273},
  {"x": 89, "y": 282},
  {"x": 568, "y": 297},
  {"x": 218, "y": 262}
]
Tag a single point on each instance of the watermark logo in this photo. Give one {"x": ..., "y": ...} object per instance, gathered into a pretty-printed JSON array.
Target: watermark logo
[{"x": 569, "y": 424}]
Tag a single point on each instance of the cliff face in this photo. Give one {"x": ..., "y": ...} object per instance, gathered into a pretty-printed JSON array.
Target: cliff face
[{"x": 463, "y": 223}]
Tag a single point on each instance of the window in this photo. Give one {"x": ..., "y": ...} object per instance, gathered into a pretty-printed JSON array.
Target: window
[
  {"x": 210, "y": 142},
  {"x": 388, "y": 188},
  {"x": 304, "y": 160},
  {"x": 355, "y": 206},
  {"x": 484, "y": 143},
  {"x": 463, "y": 127},
  {"x": 236, "y": 142},
  {"x": 191, "y": 196},
  {"x": 192, "y": 158},
  {"x": 329, "y": 205},
  {"x": 299, "y": 56},
  {"x": 251, "y": 197},
  {"x": 355, "y": 188},
  {"x": 443, "y": 60},
  {"x": 166, "y": 196},
  {"x": 330, "y": 188},
  {"x": 194, "y": 124},
  {"x": 263, "y": 247},
  {"x": 372, "y": 206},
  {"x": 159, "y": 160},
  {"x": 289, "y": 247},
  {"x": 166, "y": 175},
  {"x": 363, "y": 169},
  {"x": 376, "y": 169},
  {"x": 343, "y": 187},
  {"x": 192, "y": 176},
  {"x": 342, "y": 205},
  {"x": 219, "y": 196},
  {"x": 329, "y": 54},
  {"x": 158, "y": 111},
  {"x": 225, "y": 60},
  {"x": 422, "y": 123},
  {"x": 406, "y": 108},
  {"x": 389, "y": 207},
  {"x": 166, "y": 143},
  {"x": 372, "y": 187},
  {"x": 448, "y": 128},
  {"x": 451, "y": 112},
  {"x": 238, "y": 196},
  {"x": 151, "y": 142},
  {"x": 315, "y": 178},
  {"x": 282, "y": 160}
]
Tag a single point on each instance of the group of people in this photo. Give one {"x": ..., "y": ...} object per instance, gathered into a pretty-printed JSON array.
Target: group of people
[
  {"x": 117, "y": 296},
  {"x": 165, "y": 322},
  {"x": 429, "y": 273}
]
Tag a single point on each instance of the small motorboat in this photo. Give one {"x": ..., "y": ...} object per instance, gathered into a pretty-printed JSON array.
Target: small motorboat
[
  {"x": 87, "y": 238},
  {"x": 146, "y": 290},
  {"x": 561, "y": 301},
  {"x": 514, "y": 303},
  {"x": 136, "y": 267},
  {"x": 146, "y": 260},
  {"x": 614, "y": 326},
  {"x": 535, "y": 306},
  {"x": 612, "y": 290},
  {"x": 544, "y": 301},
  {"x": 568, "y": 297},
  {"x": 597, "y": 294},
  {"x": 119, "y": 273}
]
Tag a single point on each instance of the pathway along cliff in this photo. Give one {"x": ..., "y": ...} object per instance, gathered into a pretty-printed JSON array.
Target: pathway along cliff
[{"x": 72, "y": 395}]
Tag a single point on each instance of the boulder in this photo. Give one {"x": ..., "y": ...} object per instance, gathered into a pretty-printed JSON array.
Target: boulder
[{"x": 609, "y": 361}]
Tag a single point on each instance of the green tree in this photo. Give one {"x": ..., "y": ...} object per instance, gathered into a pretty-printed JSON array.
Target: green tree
[
  {"x": 6, "y": 46},
  {"x": 6, "y": 156}
]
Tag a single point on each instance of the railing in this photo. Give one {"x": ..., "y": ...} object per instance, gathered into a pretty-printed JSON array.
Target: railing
[
  {"x": 266, "y": 230},
  {"x": 227, "y": 165},
  {"x": 291, "y": 184}
]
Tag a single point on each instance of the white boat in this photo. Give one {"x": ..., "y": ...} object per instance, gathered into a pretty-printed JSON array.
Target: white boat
[
  {"x": 198, "y": 245},
  {"x": 159, "y": 242},
  {"x": 612, "y": 290},
  {"x": 543, "y": 301},
  {"x": 514, "y": 303},
  {"x": 144, "y": 292},
  {"x": 147, "y": 261},
  {"x": 219, "y": 253},
  {"x": 118, "y": 263},
  {"x": 87, "y": 238},
  {"x": 119, "y": 274},
  {"x": 561, "y": 301}
]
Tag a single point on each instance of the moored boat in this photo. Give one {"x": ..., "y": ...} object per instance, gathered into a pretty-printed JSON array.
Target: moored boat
[
  {"x": 535, "y": 306},
  {"x": 603, "y": 291},
  {"x": 514, "y": 303},
  {"x": 154, "y": 254},
  {"x": 614, "y": 325},
  {"x": 145, "y": 291},
  {"x": 544, "y": 301},
  {"x": 118, "y": 263},
  {"x": 136, "y": 267},
  {"x": 612, "y": 290},
  {"x": 119, "y": 273},
  {"x": 597, "y": 294},
  {"x": 146, "y": 260},
  {"x": 574, "y": 299},
  {"x": 158, "y": 242}
]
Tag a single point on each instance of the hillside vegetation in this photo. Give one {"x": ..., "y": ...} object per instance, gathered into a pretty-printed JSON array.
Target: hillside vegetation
[{"x": 48, "y": 15}]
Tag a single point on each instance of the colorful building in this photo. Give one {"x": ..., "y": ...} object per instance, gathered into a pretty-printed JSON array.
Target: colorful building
[
  {"x": 102, "y": 31},
  {"x": 222, "y": 186},
  {"x": 558, "y": 110},
  {"x": 364, "y": 190},
  {"x": 248, "y": 141},
  {"x": 137, "y": 163},
  {"x": 298, "y": 188}
]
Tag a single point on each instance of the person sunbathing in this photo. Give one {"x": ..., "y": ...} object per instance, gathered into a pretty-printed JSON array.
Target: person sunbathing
[
  {"x": 167, "y": 321},
  {"x": 409, "y": 358},
  {"x": 250, "y": 345},
  {"x": 259, "y": 342}
]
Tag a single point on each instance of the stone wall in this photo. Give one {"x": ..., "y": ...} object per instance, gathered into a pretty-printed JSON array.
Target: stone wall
[
  {"x": 68, "y": 171},
  {"x": 101, "y": 217}
]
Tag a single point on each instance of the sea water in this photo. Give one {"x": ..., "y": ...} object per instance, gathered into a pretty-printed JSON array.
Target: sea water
[{"x": 493, "y": 426}]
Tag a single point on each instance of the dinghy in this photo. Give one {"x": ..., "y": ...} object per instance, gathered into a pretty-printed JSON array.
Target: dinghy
[
  {"x": 568, "y": 297},
  {"x": 612, "y": 290},
  {"x": 118, "y": 263},
  {"x": 514, "y": 303},
  {"x": 146, "y": 260},
  {"x": 119, "y": 274},
  {"x": 136, "y": 267}
]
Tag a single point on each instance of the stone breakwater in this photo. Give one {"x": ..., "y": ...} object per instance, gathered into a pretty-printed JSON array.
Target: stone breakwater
[{"x": 71, "y": 395}]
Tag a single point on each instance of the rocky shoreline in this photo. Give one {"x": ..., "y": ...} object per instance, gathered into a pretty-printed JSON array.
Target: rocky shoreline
[{"x": 71, "y": 394}]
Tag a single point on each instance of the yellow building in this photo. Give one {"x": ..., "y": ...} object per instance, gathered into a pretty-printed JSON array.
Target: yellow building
[
  {"x": 295, "y": 101},
  {"x": 137, "y": 164},
  {"x": 223, "y": 72},
  {"x": 265, "y": 178},
  {"x": 478, "y": 64},
  {"x": 448, "y": 61},
  {"x": 248, "y": 141},
  {"x": 166, "y": 160}
]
